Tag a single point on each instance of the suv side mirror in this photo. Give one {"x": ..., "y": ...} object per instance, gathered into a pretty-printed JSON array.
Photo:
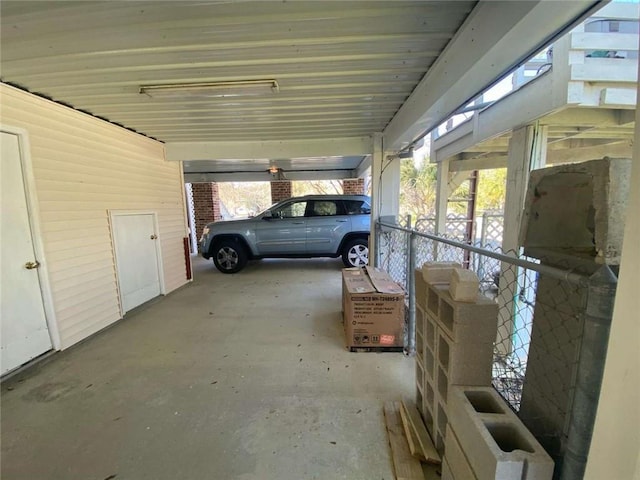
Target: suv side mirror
[{"x": 268, "y": 215}]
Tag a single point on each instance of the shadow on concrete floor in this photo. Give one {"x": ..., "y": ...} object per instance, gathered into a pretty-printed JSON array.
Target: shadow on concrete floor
[{"x": 239, "y": 376}]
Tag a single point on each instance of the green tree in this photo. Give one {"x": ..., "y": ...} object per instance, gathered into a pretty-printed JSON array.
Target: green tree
[
  {"x": 417, "y": 188},
  {"x": 316, "y": 187},
  {"x": 492, "y": 186},
  {"x": 242, "y": 198}
]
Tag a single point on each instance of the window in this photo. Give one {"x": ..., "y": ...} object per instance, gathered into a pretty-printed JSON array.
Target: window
[
  {"x": 324, "y": 208},
  {"x": 356, "y": 207},
  {"x": 290, "y": 210}
]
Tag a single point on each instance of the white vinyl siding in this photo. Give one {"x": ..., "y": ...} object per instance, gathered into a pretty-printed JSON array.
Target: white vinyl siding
[{"x": 84, "y": 167}]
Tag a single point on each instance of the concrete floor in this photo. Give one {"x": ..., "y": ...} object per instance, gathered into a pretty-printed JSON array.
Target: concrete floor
[{"x": 233, "y": 377}]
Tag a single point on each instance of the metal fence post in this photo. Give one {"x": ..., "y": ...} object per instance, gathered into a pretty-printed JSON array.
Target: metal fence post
[
  {"x": 483, "y": 240},
  {"x": 593, "y": 353},
  {"x": 411, "y": 287},
  {"x": 483, "y": 231}
]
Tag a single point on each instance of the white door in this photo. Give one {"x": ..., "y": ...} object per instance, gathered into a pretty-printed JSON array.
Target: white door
[
  {"x": 135, "y": 238},
  {"x": 24, "y": 333}
]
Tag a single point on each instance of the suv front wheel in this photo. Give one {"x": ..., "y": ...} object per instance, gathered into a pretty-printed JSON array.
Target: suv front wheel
[
  {"x": 229, "y": 256},
  {"x": 356, "y": 253}
]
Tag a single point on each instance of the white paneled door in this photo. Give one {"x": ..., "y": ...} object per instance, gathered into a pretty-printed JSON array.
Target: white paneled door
[
  {"x": 24, "y": 333},
  {"x": 135, "y": 242}
]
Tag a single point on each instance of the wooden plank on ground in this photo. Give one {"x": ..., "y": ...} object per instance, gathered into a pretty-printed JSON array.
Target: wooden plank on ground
[
  {"x": 412, "y": 439},
  {"x": 406, "y": 466},
  {"x": 424, "y": 440}
]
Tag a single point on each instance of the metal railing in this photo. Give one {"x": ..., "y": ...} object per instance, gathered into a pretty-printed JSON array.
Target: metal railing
[{"x": 543, "y": 349}]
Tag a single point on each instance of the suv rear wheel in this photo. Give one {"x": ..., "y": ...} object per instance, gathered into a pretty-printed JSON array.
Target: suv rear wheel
[
  {"x": 356, "y": 253},
  {"x": 229, "y": 256}
]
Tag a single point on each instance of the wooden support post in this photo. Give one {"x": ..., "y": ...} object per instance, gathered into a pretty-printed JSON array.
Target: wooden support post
[
  {"x": 527, "y": 151},
  {"x": 442, "y": 196}
]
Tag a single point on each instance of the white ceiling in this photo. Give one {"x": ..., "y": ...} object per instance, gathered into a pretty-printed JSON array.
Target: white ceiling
[{"x": 346, "y": 70}]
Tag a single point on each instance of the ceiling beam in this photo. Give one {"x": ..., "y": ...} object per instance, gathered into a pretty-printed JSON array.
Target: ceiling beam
[
  {"x": 488, "y": 162},
  {"x": 582, "y": 117},
  {"x": 580, "y": 143},
  {"x": 487, "y": 46},
  {"x": 364, "y": 167},
  {"x": 565, "y": 155},
  {"x": 267, "y": 177},
  {"x": 271, "y": 149},
  {"x": 627, "y": 117}
]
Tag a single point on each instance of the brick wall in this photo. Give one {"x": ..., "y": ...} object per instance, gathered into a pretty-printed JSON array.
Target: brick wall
[
  {"x": 206, "y": 205},
  {"x": 353, "y": 186},
  {"x": 280, "y": 190}
]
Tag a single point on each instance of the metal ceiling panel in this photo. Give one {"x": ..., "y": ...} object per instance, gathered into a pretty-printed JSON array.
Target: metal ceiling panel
[
  {"x": 343, "y": 68},
  {"x": 346, "y": 71}
]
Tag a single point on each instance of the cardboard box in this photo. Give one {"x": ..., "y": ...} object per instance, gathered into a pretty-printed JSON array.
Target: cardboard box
[{"x": 373, "y": 306}]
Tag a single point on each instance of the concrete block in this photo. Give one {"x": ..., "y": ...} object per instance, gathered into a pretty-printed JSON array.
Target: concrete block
[
  {"x": 429, "y": 393},
  {"x": 441, "y": 422},
  {"x": 465, "y": 363},
  {"x": 419, "y": 375},
  {"x": 461, "y": 320},
  {"x": 464, "y": 286},
  {"x": 429, "y": 364},
  {"x": 421, "y": 289},
  {"x": 429, "y": 418},
  {"x": 438, "y": 272},
  {"x": 590, "y": 224},
  {"x": 419, "y": 345},
  {"x": 430, "y": 326},
  {"x": 442, "y": 383},
  {"x": 497, "y": 445},
  {"x": 420, "y": 320},
  {"x": 455, "y": 457},
  {"x": 420, "y": 397},
  {"x": 433, "y": 298}
]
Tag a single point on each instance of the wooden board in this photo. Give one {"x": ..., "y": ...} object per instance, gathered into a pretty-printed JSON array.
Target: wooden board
[
  {"x": 406, "y": 466},
  {"x": 424, "y": 440},
  {"x": 412, "y": 439}
]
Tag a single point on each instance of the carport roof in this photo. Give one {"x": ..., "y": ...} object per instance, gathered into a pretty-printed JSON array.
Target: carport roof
[{"x": 346, "y": 71}]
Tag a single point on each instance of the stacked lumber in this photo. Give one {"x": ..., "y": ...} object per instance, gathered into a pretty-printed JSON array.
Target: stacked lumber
[{"x": 409, "y": 440}]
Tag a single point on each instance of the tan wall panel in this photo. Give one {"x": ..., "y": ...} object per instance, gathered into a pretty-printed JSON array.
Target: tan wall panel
[{"x": 84, "y": 167}]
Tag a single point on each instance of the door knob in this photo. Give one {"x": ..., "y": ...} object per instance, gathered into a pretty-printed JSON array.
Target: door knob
[
  {"x": 153, "y": 237},
  {"x": 32, "y": 265}
]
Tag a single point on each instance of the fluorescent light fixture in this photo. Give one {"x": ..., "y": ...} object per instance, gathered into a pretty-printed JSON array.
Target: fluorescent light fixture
[{"x": 239, "y": 88}]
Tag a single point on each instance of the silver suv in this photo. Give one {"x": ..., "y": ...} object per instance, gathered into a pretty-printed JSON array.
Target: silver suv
[{"x": 303, "y": 227}]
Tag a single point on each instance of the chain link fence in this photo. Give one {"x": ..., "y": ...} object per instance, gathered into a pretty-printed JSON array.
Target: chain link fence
[
  {"x": 488, "y": 228},
  {"x": 542, "y": 305}
]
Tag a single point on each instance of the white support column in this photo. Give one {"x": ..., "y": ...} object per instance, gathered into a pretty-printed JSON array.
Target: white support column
[
  {"x": 385, "y": 188},
  {"x": 527, "y": 151},
  {"x": 442, "y": 196}
]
